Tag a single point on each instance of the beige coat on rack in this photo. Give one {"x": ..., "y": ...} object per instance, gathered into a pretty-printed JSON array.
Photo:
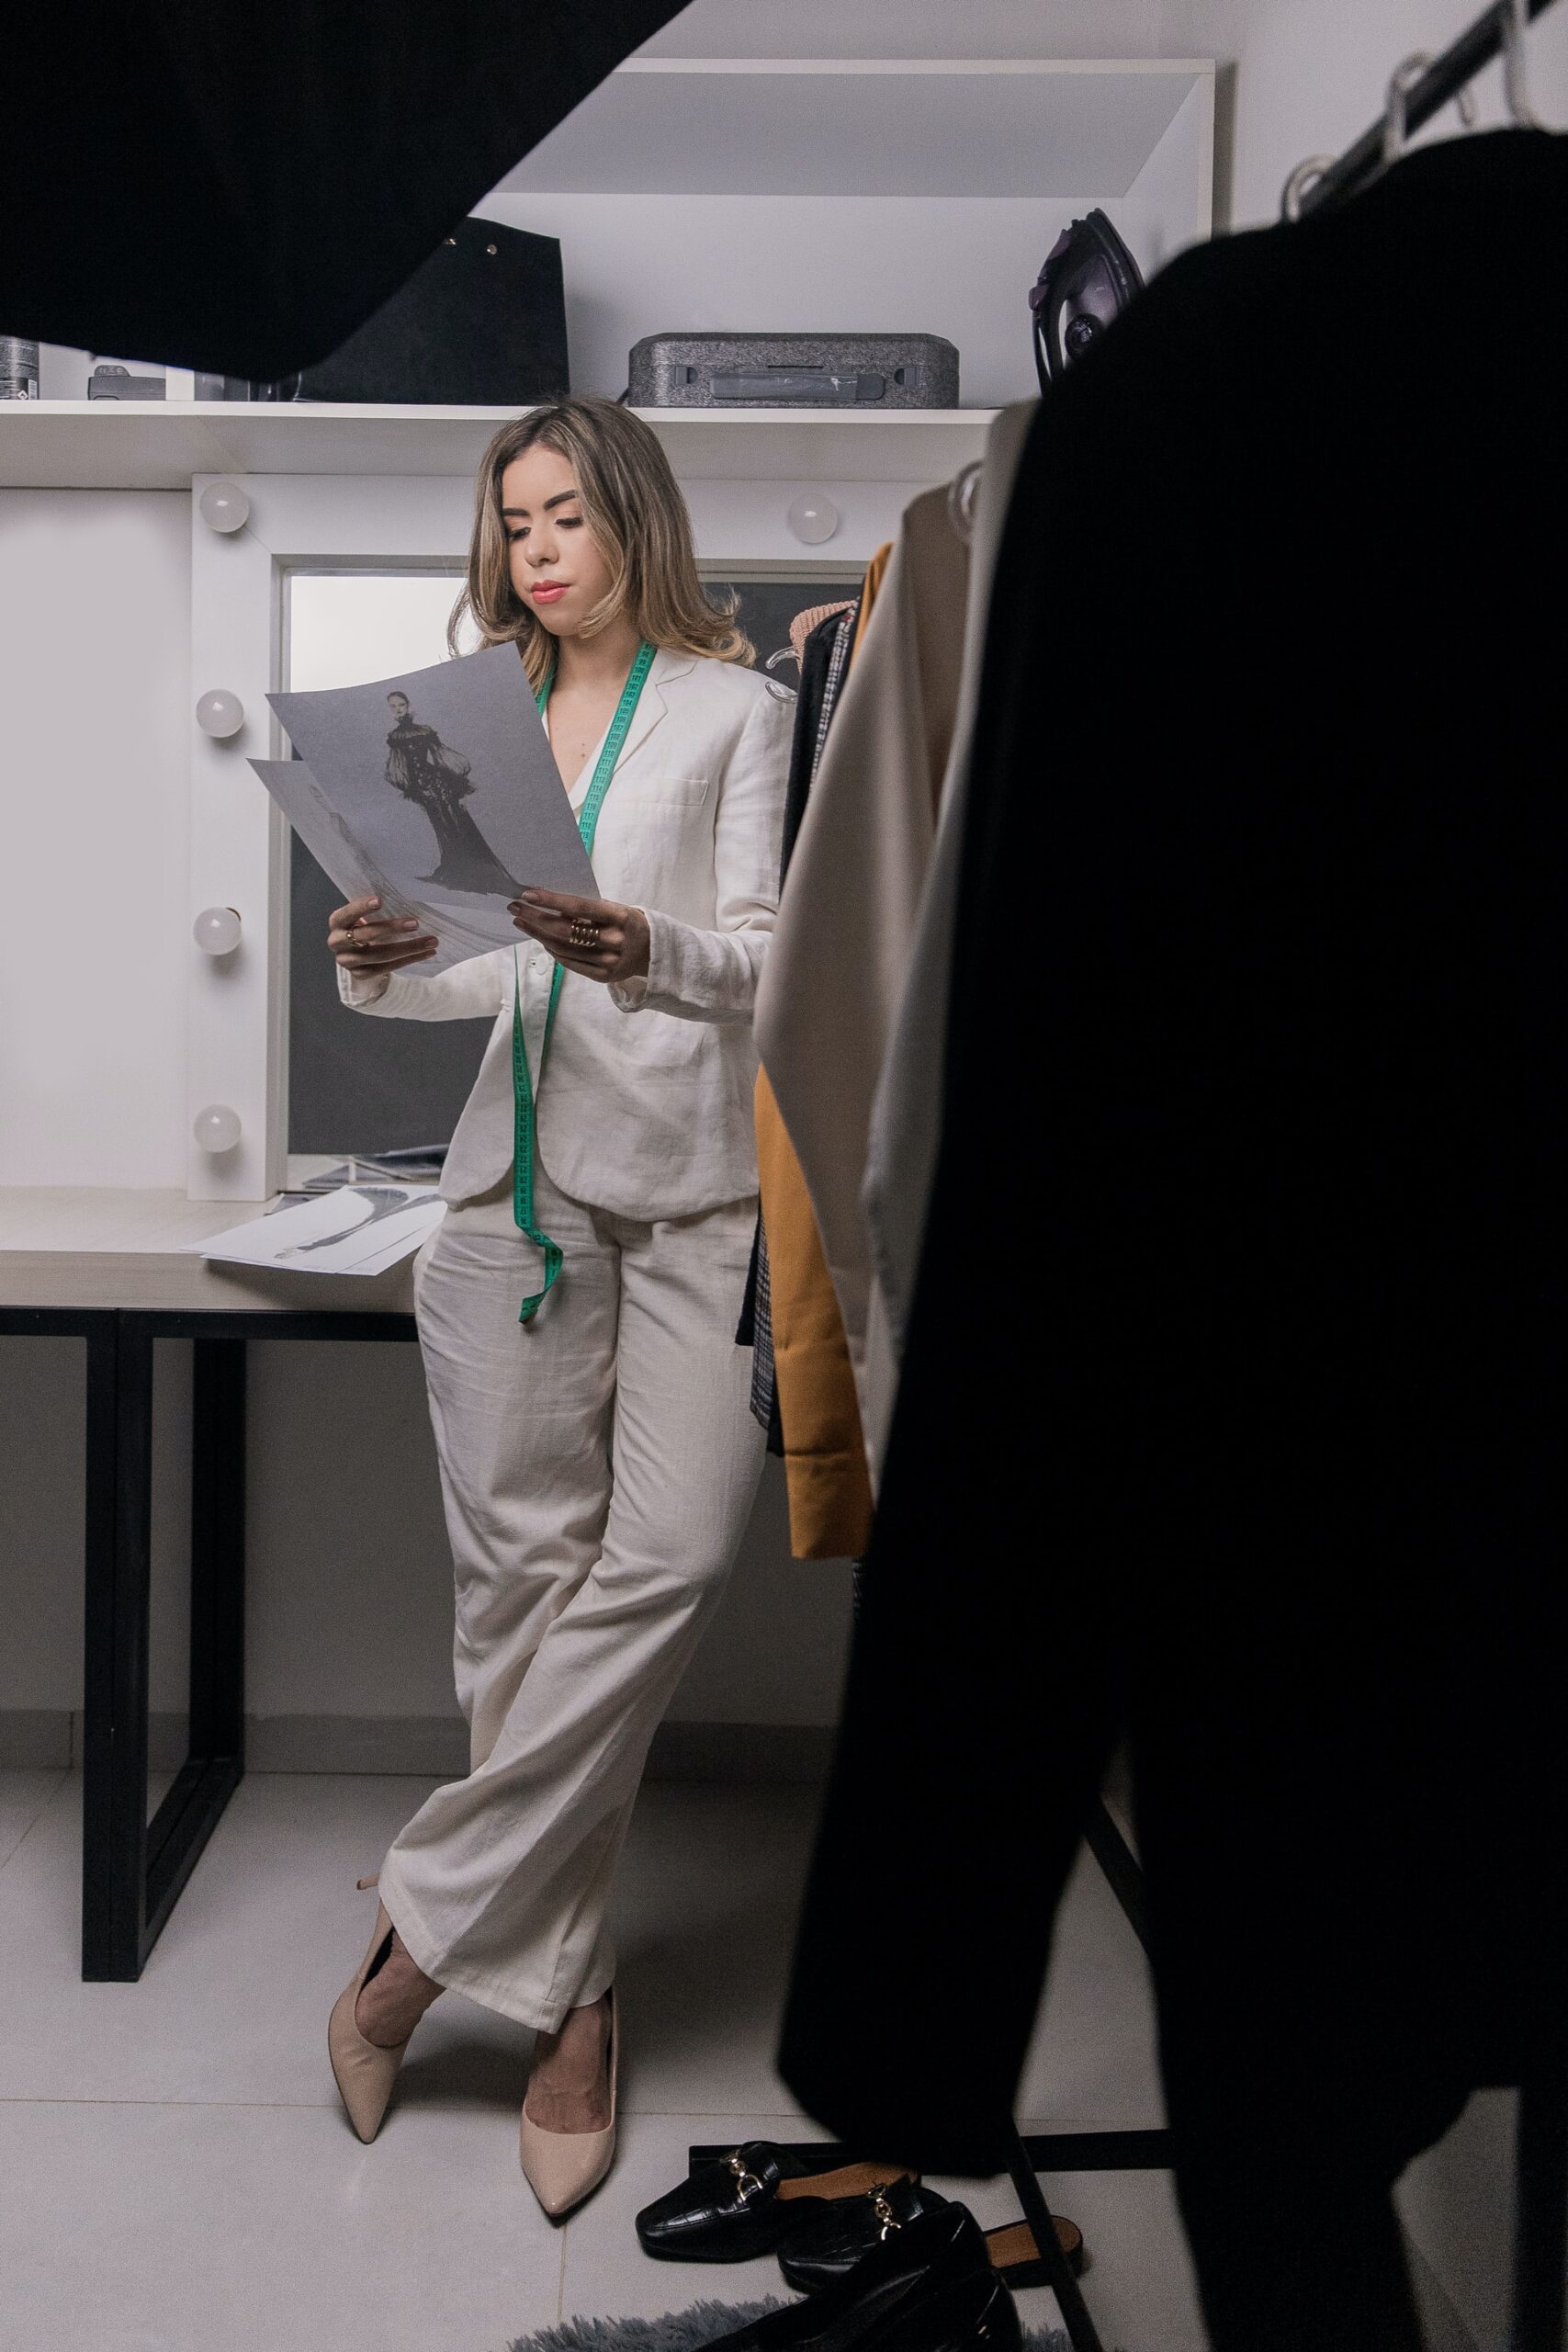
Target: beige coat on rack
[
  {"x": 836, "y": 972},
  {"x": 905, "y": 1118}
]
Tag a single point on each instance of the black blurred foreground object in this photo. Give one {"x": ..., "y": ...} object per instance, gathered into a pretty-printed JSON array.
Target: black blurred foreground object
[
  {"x": 1238, "y": 1430},
  {"x": 236, "y": 188}
]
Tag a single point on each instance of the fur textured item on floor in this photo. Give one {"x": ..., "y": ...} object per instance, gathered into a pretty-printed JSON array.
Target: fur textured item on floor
[{"x": 689, "y": 2331}]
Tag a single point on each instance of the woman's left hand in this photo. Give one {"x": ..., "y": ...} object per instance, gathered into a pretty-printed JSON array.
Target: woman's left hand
[{"x": 594, "y": 937}]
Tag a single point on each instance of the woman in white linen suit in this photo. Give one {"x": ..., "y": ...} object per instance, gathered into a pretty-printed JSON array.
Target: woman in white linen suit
[{"x": 598, "y": 1460}]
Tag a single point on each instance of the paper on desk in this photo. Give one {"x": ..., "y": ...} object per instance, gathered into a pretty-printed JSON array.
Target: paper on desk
[
  {"x": 361, "y": 1229},
  {"x": 438, "y": 791}
]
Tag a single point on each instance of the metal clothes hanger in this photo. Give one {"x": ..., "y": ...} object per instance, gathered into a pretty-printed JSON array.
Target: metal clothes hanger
[
  {"x": 1416, "y": 91},
  {"x": 1401, "y": 82},
  {"x": 1396, "y": 131},
  {"x": 1516, "y": 93},
  {"x": 1301, "y": 179},
  {"x": 961, "y": 494}
]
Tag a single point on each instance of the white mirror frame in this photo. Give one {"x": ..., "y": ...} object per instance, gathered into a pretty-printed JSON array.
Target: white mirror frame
[{"x": 237, "y": 1032}]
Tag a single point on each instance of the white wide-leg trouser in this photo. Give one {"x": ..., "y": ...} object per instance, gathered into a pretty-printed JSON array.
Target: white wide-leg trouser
[{"x": 597, "y": 1469}]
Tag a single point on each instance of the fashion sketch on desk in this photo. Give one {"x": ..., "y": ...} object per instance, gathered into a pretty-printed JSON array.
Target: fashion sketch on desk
[{"x": 436, "y": 778}]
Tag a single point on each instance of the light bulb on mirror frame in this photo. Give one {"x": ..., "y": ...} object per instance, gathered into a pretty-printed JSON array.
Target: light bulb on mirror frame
[
  {"x": 223, "y": 506},
  {"x": 215, "y": 930},
  {"x": 220, "y": 713},
  {"x": 812, "y": 517},
  {"x": 217, "y": 1127}
]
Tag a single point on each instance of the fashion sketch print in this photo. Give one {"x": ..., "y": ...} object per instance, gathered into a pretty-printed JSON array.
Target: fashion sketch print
[
  {"x": 437, "y": 790},
  {"x": 437, "y": 779}
]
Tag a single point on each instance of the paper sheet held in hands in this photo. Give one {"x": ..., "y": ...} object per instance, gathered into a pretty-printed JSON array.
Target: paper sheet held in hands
[
  {"x": 362, "y": 1229},
  {"x": 435, "y": 791}
]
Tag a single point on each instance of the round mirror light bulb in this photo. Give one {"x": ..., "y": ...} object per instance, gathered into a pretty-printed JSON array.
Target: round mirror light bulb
[
  {"x": 216, "y": 1127},
  {"x": 223, "y": 506},
  {"x": 217, "y": 930},
  {"x": 812, "y": 517},
  {"x": 220, "y": 713}
]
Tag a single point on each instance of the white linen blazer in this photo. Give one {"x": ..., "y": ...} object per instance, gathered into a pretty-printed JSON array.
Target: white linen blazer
[{"x": 645, "y": 1109}]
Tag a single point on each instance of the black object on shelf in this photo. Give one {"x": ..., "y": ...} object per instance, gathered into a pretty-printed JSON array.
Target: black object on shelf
[
  {"x": 480, "y": 324},
  {"x": 111, "y": 381},
  {"x": 1088, "y": 278},
  {"x": 711, "y": 370}
]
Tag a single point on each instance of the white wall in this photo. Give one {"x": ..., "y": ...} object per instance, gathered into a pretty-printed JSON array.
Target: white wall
[
  {"x": 1310, "y": 74},
  {"x": 95, "y": 622}
]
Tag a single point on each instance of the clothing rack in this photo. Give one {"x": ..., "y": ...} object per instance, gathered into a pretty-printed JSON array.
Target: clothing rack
[
  {"x": 1112, "y": 2150},
  {"x": 1539, "y": 2296},
  {"x": 1049, "y": 2152},
  {"x": 1541, "y": 2229},
  {"x": 1540, "y": 2226},
  {"x": 1539, "y": 2290},
  {"x": 1442, "y": 81}
]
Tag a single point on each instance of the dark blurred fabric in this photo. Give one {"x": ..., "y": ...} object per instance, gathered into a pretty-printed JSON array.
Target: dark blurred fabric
[
  {"x": 1232, "y": 1416},
  {"x": 237, "y": 187}
]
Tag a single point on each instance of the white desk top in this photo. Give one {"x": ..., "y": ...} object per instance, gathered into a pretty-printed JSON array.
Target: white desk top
[{"x": 81, "y": 1245}]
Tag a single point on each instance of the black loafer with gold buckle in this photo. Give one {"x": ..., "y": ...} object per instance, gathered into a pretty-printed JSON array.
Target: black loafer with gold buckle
[
  {"x": 742, "y": 2205},
  {"x": 826, "y": 2243}
]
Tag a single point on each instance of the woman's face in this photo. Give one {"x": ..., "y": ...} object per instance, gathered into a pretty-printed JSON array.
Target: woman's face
[{"x": 557, "y": 568}]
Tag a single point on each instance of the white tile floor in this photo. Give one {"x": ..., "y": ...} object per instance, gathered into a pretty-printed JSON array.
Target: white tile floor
[{"x": 178, "y": 2176}]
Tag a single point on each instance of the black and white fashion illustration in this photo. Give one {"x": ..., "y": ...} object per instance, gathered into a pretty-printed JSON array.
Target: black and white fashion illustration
[{"x": 426, "y": 770}]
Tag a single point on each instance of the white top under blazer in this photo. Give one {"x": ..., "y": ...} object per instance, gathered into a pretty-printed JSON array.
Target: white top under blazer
[{"x": 645, "y": 1109}]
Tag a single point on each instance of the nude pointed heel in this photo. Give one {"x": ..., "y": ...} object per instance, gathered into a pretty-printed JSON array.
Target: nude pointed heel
[
  {"x": 563, "y": 2167},
  {"x": 365, "y": 2071}
]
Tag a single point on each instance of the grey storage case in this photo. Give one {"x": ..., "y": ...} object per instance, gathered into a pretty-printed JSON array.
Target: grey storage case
[{"x": 793, "y": 371}]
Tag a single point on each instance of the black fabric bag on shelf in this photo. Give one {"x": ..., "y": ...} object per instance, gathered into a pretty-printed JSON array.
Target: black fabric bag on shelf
[{"x": 482, "y": 322}]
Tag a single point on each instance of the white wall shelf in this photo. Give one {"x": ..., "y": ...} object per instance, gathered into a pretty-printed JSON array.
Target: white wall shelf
[
  {"x": 864, "y": 126},
  {"x": 112, "y": 445}
]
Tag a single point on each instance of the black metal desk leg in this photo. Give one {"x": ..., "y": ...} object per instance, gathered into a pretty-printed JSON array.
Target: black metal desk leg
[
  {"x": 215, "y": 1760},
  {"x": 118, "y": 1543},
  {"x": 218, "y": 1550}
]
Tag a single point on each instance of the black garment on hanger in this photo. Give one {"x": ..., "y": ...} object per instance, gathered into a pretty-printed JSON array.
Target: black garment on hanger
[
  {"x": 1238, "y": 1422},
  {"x": 824, "y": 664},
  {"x": 238, "y": 187}
]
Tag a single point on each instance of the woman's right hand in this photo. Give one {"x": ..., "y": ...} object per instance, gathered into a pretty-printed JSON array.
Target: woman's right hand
[{"x": 364, "y": 940}]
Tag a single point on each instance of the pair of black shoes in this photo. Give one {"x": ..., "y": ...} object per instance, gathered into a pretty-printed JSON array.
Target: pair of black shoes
[
  {"x": 761, "y": 2198},
  {"x": 928, "y": 2286}
]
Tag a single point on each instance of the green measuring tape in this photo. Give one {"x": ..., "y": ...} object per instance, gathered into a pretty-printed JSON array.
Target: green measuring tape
[{"x": 523, "y": 1087}]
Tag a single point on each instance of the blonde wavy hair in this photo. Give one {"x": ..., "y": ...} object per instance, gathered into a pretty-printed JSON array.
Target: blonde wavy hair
[{"x": 632, "y": 504}]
